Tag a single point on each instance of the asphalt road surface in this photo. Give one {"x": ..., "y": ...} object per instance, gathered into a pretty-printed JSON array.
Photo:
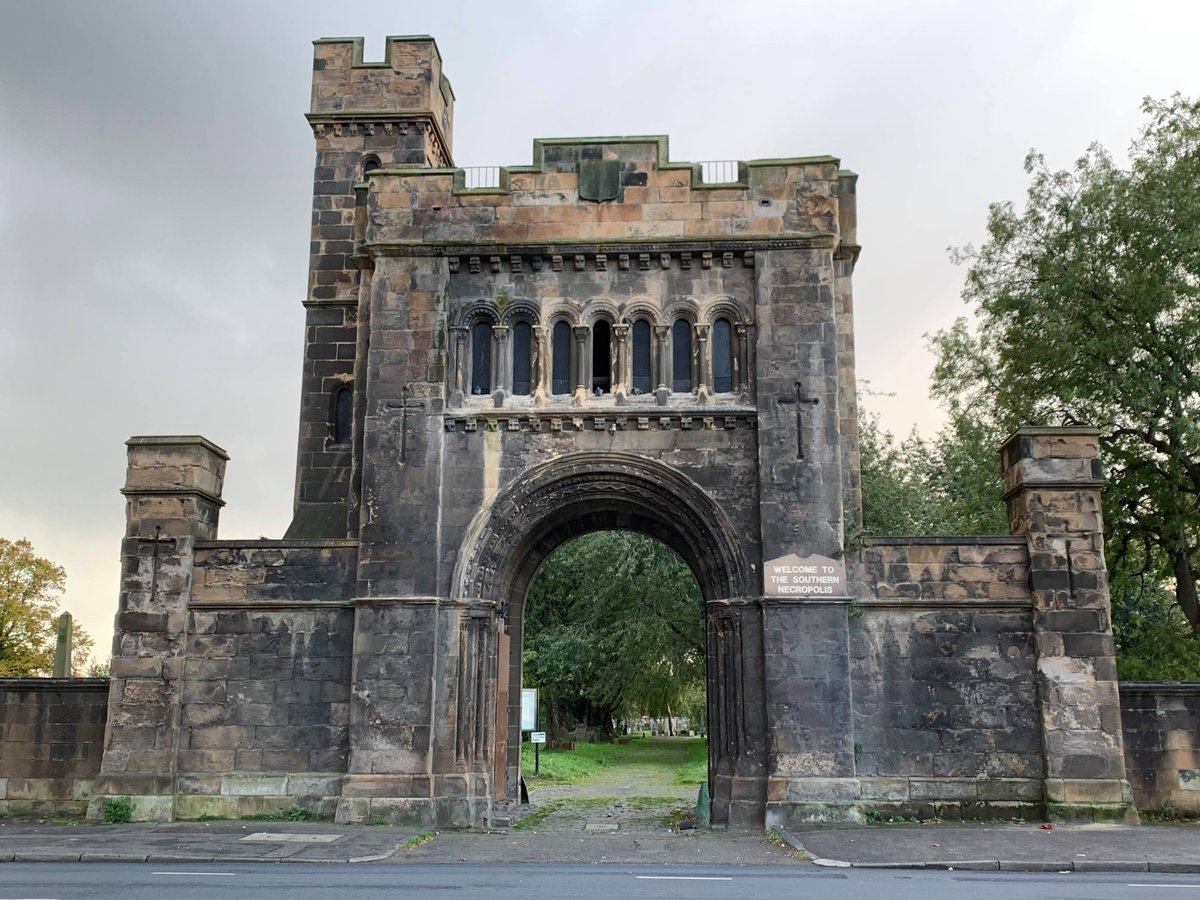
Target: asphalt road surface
[{"x": 54, "y": 881}]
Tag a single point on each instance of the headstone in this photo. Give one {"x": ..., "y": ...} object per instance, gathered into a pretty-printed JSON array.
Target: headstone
[{"x": 62, "y": 647}]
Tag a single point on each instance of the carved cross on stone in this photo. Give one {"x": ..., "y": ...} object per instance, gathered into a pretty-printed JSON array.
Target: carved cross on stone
[
  {"x": 799, "y": 399},
  {"x": 403, "y": 406}
]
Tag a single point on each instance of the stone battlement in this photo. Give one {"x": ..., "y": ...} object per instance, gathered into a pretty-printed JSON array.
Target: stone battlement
[{"x": 408, "y": 81}]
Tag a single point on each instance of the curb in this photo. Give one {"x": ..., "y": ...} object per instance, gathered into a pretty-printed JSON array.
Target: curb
[{"x": 1002, "y": 865}]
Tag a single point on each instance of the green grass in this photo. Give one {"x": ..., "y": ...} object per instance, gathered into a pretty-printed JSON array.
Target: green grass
[
  {"x": 576, "y": 806},
  {"x": 687, "y": 757},
  {"x": 418, "y": 839}
]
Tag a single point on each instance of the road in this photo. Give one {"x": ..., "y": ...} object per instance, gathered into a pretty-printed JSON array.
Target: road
[{"x": 53, "y": 881}]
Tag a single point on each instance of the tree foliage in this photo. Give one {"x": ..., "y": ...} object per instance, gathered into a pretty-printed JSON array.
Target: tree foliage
[
  {"x": 1087, "y": 306},
  {"x": 614, "y": 628},
  {"x": 30, "y": 592},
  {"x": 918, "y": 487}
]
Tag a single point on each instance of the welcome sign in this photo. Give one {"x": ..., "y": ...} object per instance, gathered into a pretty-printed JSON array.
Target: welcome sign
[{"x": 810, "y": 576}]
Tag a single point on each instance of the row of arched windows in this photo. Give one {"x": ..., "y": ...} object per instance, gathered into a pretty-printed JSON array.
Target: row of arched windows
[{"x": 637, "y": 357}]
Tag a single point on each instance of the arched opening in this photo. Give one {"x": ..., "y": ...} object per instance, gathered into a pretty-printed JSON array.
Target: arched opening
[
  {"x": 681, "y": 356},
  {"x": 522, "y": 334},
  {"x": 560, "y": 362},
  {"x": 641, "y": 357},
  {"x": 481, "y": 358},
  {"x": 614, "y": 643},
  {"x": 601, "y": 357},
  {"x": 369, "y": 165},
  {"x": 340, "y": 420},
  {"x": 584, "y": 492},
  {"x": 722, "y": 356}
]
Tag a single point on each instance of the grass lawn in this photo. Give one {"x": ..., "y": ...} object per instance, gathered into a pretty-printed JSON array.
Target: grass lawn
[{"x": 685, "y": 760}]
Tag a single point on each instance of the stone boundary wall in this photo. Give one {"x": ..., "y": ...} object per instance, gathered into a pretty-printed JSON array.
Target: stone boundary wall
[
  {"x": 1161, "y": 726},
  {"x": 943, "y": 666},
  {"x": 51, "y": 743}
]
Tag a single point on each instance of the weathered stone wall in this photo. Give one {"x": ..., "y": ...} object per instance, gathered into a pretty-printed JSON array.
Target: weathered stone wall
[
  {"x": 944, "y": 674},
  {"x": 265, "y": 710},
  {"x": 1161, "y": 726},
  {"x": 255, "y": 572},
  {"x": 51, "y": 743}
]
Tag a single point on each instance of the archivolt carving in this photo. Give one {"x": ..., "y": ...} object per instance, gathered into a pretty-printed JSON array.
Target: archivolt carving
[
  {"x": 681, "y": 307},
  {"x": 472, "y": 312},
  {"x": 521, "y": 310},
  {"x": 587, "y": 491},
  {"x": 726, "y": 308}
]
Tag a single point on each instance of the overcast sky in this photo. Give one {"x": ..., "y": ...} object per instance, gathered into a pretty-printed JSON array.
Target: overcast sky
[{"x": 155, "y": 186}]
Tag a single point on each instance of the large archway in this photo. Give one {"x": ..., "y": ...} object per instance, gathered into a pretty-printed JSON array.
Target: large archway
[{"x": 584, "y": 492}]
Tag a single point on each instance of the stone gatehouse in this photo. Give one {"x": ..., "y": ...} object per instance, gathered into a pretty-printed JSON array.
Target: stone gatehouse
[{"x": 604, "y": 339}]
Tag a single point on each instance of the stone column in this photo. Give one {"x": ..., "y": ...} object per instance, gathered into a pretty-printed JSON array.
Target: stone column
[
  {"x": 703, "y": 366},
  {"x": 742, "y": 363},
  {"x": 501, "y": 364},
  {"x": 581, "y": 332},
  {"x": 459, "y": 335},
  {"x": 540, "y": 363},
  {"x": 172, "y": 499},
  {"x": 662, "y": 359},
  {"x": 1052, "y": 487},
  {"x": 622, "y": 370}
]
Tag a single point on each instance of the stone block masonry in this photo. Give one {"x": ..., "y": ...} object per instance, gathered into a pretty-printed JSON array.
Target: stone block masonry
[
  {"x": 51, "y": 744},
  {"x": 1161, "y": 726}
]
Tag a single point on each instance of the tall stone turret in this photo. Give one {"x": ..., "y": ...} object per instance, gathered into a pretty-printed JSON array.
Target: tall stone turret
[{"x": 364, "y": 115}]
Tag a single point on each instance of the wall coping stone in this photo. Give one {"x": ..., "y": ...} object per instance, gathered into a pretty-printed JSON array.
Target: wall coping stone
[
  {"x": 935, "y": 603},
  {"x": 270, "y": 544},
  {"x": 935, "y": 540},
  {"x": 53, "y": 684},
  {"x": 1174, "y": 688},
  {"x": 176, "y": 440}
]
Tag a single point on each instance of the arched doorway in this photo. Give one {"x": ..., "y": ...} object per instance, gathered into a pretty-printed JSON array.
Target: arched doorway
[{"x": 590, "y": 491}]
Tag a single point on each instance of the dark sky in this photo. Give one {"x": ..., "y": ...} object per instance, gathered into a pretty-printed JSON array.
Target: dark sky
[{"x": 155, "y": 178}]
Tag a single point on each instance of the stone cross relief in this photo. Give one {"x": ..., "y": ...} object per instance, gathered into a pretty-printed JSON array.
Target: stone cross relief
[
  {"x": 402, "y": 407},
  {"x": 798, "y": 399}
]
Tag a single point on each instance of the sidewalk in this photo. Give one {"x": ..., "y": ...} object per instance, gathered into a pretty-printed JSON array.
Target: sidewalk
[
  {"x": 636, "y": 840},
  {"x": 175, "y": 842},
  {"x": 1014, "y": 848}
]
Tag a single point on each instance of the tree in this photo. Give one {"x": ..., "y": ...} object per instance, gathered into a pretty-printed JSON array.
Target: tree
[
  {"x": 614, "y": 627},
  {"x": 30, "y": 592},
  {"x": 1087, "y": 307},
  {"x": 949, "y": 485}
]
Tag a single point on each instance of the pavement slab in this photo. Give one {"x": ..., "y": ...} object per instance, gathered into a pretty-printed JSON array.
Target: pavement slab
[{"x": 1008, "y": 847}]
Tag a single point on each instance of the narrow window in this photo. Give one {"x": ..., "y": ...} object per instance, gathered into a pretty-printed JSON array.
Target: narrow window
[
  {"x": 681, "y": 356},
  {"x": 641, "y": 357},
  {"x": 343, "y": 403},
  {"x": 722, "y": 356},
  {"x": 481, "y": 358},
  {"x": 370, "y": 164},
  {"x": 521, "y": 336},
  {"x": 560, "y": 375},
  {"x": 601, "y": 358}
]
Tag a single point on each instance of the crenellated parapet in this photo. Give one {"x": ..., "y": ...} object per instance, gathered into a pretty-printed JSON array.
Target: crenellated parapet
[
  {"x": 614, "y": 188},
  {"x": 408, "y": 82}
]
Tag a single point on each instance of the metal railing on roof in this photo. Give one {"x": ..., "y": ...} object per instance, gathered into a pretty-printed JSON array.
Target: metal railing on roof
[
  {"x": 481, "y": 176},
  {"x": 719, "y": 171}
]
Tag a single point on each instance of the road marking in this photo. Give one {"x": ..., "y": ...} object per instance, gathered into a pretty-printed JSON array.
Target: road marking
[
  {"x": 686, "y": 877},
  {"x": 191, "y": 873},
  {"x": 1180, "y": 887}
]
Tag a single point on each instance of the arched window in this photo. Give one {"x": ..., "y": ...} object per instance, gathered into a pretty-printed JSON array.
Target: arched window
[
  {"x": 560, "y": 371},
  {"x": 369, "y": 165},
  {"x": 722, "y": 356},
  {"x": 522, "y": 335},
  {"x": 681, "y": 355},
  {"x": 641, "y": 357},
  {"x": 343, "y": 404},
  {"x": 481, "y": 358},
  {"x": 601, "y": 357}
]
